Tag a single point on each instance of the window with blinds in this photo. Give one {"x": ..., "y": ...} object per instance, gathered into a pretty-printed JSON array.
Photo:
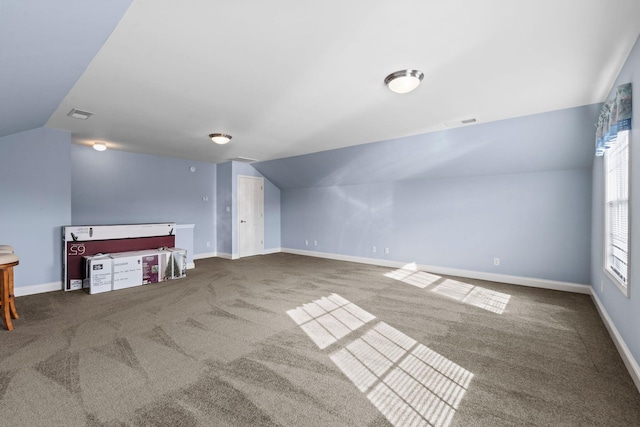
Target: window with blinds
[{"x": 616, "y": 164}]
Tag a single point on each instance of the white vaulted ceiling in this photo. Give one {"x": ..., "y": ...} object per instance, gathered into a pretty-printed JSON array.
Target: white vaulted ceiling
[{"x": 288, "y": 77}]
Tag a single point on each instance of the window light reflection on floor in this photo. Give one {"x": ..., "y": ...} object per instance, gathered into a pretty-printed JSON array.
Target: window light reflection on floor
[
  {"x": 410, "y": 275},
  {"x": 409, "y": 383},
  {"x": 474, "y": 295},
  {"x": 328, "y": 319}
]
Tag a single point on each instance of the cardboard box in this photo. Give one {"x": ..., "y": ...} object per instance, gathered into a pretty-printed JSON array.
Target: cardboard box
[
  {"x": 98, "y": 275},
  {"x": 151, "y": 272},
  {"x": 127, "y": 270},
  {"x": 174, "y": 263},
  {"x": 124, "y": 270}
]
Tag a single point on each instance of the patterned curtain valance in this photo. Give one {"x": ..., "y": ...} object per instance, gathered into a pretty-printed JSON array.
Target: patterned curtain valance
[{"x": 615, "y": 117}]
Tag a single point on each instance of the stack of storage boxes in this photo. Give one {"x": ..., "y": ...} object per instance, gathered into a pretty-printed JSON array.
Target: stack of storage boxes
[{"x": 106, "y": 272}]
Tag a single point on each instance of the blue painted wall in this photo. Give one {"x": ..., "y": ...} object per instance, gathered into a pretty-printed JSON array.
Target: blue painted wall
[
  {"x": 625, "y": 312},
  {"x": 116, "y": 187},
  {"x": 550, "y": 141},
  {"x": 472, "y": 198},
  {"x": 36, "y": 201},
  {"x": 536, "y": 223},
  {"x": 224, "y": 202}
]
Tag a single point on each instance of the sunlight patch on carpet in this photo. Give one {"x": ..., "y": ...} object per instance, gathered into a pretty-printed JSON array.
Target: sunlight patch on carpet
[
  {"x": 476, "y": 296},
  {"x": 328, "y": 319},
  {"x": 409, "y": 383},
  {"x": 410, "y": 275}
]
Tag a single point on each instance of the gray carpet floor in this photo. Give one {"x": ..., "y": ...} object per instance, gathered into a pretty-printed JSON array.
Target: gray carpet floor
[{"x": 298, "y": 341}]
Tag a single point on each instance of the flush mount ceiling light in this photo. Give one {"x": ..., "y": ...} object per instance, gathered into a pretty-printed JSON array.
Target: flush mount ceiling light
[
  {"x": 79, "y": 114},
  {"x": 404, "y": 81},
  {"x": 220, "y": 138},
  {"x": 99, "y": 146}
]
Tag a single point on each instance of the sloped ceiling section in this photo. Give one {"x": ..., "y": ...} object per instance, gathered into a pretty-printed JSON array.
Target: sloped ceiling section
[
  {"x": 45, "y": 47},
  {"x": 555, "y": 140},
  {"x": 291, "y": 77}
]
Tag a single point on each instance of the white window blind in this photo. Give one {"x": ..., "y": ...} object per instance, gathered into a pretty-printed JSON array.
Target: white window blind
[{"x": 616, "y": 163}]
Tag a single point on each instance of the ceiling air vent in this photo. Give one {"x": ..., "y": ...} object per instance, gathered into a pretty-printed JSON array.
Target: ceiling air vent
[
  {"x": 243, "y": 159},
  {"x": 79, "y": 114},
  {"x": 455, "y": 123}
]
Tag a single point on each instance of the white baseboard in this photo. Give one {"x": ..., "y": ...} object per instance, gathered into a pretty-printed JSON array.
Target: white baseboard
[
  {"x": 205, "y": 255},
  {"x": 227, "y": 256},
  {"x": 191, "y": 265},
  {"x": 628, "y": 359},
  {"x": 493, "y": 277},
  {"x": 338, "y": 257},
  {"x": 21, "y": 291},
  {"x": 232, "y": 256},
  {"x": 533, "y": 282}
]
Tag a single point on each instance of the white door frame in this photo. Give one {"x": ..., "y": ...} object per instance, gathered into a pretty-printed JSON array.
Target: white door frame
[{"x": 257, "y": 222}]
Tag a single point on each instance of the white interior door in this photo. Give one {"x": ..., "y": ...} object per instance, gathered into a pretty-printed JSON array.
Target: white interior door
[{"x": 250, "y": 216}]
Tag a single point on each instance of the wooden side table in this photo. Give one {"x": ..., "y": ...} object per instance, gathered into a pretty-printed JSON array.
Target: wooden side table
[{"x": 7, "y": 297}]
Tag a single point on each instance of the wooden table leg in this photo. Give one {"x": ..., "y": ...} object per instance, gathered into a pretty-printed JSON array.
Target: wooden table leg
[
  {"x": 4, "y": 284},
  {"x": 12, "y": 296}
]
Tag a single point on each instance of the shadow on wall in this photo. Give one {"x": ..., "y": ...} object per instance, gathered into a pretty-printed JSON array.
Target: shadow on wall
[
  {"x": 363, "y": 221},
  {"x": 409, "y": 383}
]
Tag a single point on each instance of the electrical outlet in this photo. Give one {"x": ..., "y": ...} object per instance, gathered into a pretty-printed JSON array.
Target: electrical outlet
[
  {"x": 306, "y": 243},
  {"x": 373, "y": 249},
  {"x": 315, "y": 243},
  {"x": 496, "y": 261},
  {"x": 386, "y": 251},
  {"x": 208, "y": 244}
]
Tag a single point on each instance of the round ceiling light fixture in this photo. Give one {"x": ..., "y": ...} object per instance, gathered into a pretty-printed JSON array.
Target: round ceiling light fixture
[
  {"x": 99, "y": 146},
  {"x": 404, "y": 81},
  {"x": 220, "y": 138}
]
